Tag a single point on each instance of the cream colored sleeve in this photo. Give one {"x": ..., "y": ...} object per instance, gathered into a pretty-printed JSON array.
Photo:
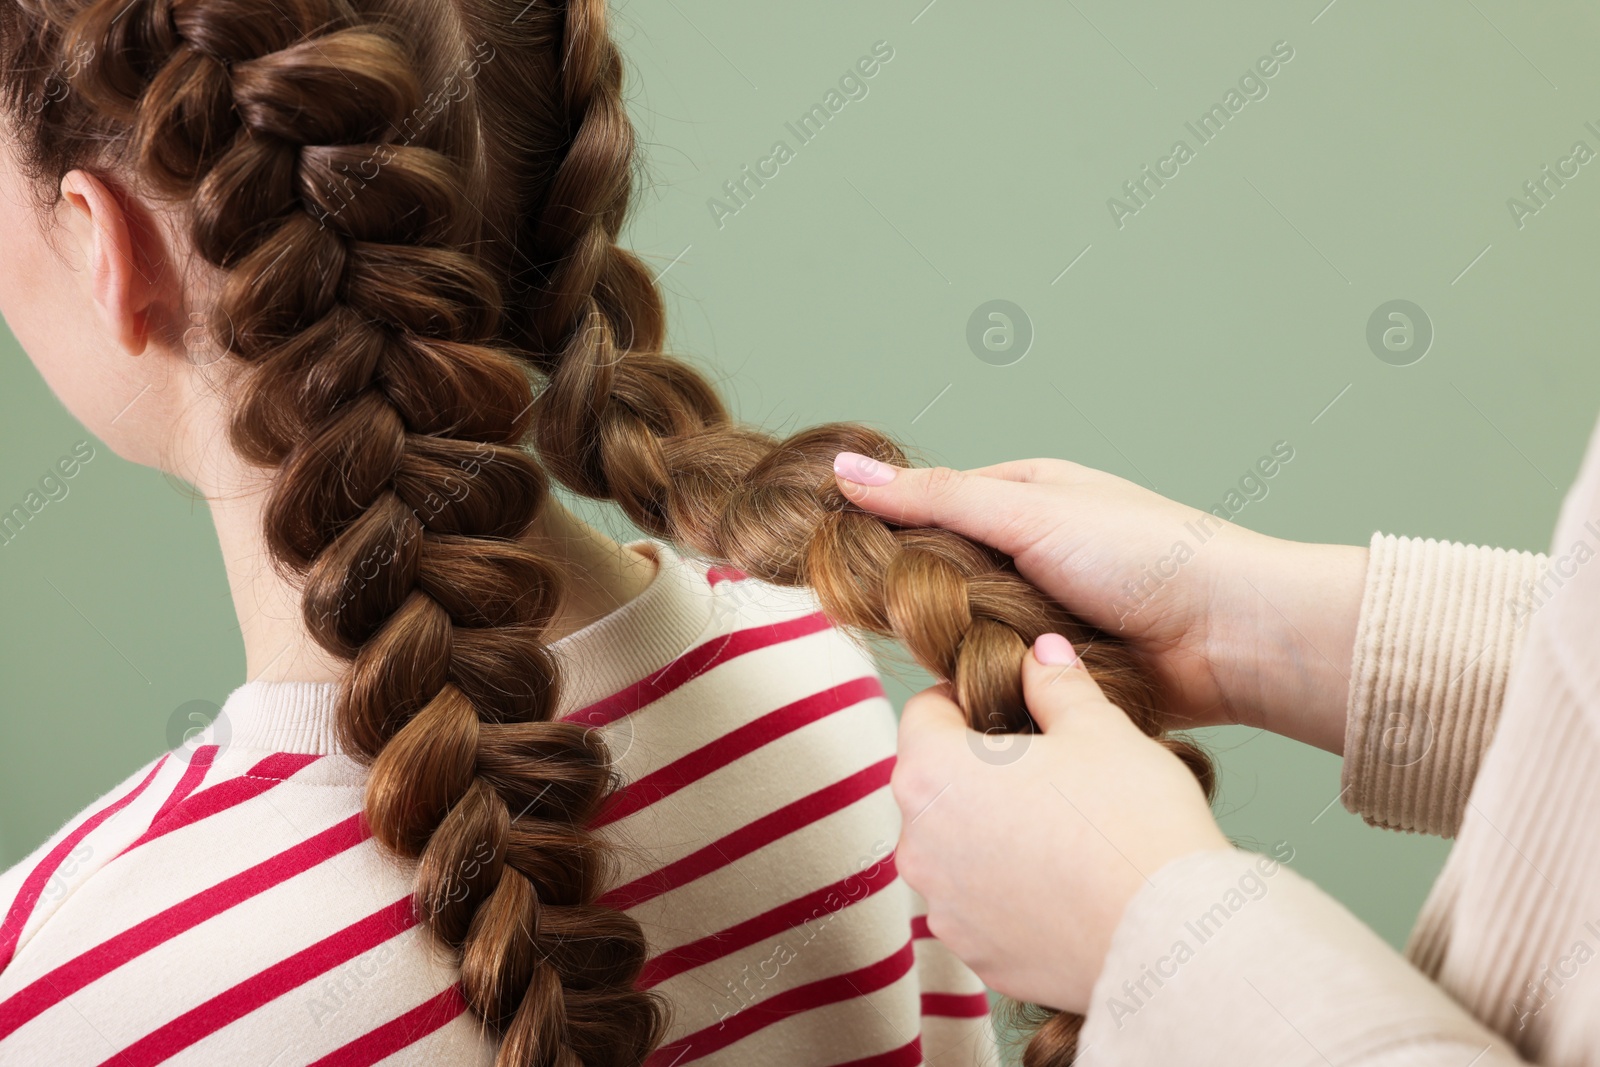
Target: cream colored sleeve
[
  {"x": 1229, "y": 957},
  {"x": 1439, "y": 626}
]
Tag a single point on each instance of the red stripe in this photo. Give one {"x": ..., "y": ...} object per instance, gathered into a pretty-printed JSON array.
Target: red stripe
[
  {"x": 763, "y": 1013},
  {"x": 907, "y": 1055},
  {"x": 54, "y": 987},
  {"x": 955, "y": 1005},
  {"x": 753, "y": 835},
  {"x": 722, "y": 573},
  {"x": 199, "y": 764},
  {"x": 667, "y": 780},
  {"x": 28, "y": 896},
  {"x": 397, "y": 1034},
  {"x": 845, "y": 891},
  {"x": 272, "y": 771},
  {"x": 919, "y": 926},
  {"x": 283, "y": 976},
  {"x": 281, "y": 766},
  {"x": 694, "y": 662}
]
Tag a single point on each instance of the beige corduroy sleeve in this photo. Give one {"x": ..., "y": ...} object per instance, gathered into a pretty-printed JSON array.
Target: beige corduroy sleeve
[
  {"x": 1440, "y": 624},
  {"x": 1227, "y": 958}
]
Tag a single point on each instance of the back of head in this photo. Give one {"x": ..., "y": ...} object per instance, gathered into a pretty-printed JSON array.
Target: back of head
[{"x": 411, "y": 210}]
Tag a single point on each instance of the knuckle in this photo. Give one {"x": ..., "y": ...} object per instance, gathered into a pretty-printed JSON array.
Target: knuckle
[
  {"x": 1061, "y": 470},
  {"x": 920, "y": 703},
  {"x": 1037, "y": 469},
  {"x": 917, "y": 711},
  {"x": 912, "y": 783},
  {"x": 1041, "y": 470},
  {"x": 912, "y": 871},
  {"x": 897, "y": 781},
  {"x": 949, "y": 932},
  {"x": 943, "y": 482},
  {"x": 903, "y": 782}
]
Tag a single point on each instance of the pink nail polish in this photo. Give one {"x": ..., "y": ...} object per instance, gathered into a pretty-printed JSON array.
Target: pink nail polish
[
  {"x": 863, "y": 470},
  {"x": 1053, "y": 650}
]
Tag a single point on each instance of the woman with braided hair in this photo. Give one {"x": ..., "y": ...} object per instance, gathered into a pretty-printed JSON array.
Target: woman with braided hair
[{"x": 497, "y": 789}]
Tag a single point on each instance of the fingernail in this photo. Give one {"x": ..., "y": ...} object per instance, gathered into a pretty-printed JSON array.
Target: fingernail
[
  {"x": 863, "y": 470},
  {"x": 1053, "y": 650}
]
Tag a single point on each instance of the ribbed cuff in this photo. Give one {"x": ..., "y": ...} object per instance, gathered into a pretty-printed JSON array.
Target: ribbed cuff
[{"x": 1439, "y": 627}]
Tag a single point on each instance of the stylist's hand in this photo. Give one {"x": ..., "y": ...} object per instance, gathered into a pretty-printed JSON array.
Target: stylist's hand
[
  {"x": 1238, "y": 626},
  {"x": 1027, "y": 866}
]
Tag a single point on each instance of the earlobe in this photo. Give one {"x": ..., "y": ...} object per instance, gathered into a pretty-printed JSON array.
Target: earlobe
[{"x": 120, "y": 289}]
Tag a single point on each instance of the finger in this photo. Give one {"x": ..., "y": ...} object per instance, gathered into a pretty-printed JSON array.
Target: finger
[
  {"x": 929, "y": 715},
  {"x": 930, "y": 724},
  {"x": 985, "y": 509},
  {"x": 1055, "y": 682},
  {"x": 1040, "y": 471}
]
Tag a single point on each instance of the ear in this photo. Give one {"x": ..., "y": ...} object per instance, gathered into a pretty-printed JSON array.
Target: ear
[{"x": 120, "y": 278}]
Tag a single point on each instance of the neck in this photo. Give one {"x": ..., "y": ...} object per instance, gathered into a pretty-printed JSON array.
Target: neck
[{"x": 602, "y": 575}]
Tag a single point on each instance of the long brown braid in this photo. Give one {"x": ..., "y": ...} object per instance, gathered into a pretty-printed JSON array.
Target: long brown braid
[
  {"x": 392, "y": 264},
  {"x": 620, "y": 420},
  {"x": 336, "y": 197}
]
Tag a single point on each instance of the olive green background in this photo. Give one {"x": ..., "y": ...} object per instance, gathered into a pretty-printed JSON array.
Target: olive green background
[{"x": 1228, "y": 314}]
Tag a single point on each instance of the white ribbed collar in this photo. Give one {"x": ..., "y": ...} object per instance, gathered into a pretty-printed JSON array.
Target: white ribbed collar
[{"x": 642, "y": 636}]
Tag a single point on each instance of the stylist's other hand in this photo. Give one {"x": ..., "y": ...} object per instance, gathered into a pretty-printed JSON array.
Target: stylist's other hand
[
  {"x": 1027, "y": 866},
  {"x": 1238, "y": 626}
]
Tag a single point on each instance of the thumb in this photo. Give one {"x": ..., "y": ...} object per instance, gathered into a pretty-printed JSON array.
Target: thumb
[
  {"x": 1056, "y": 683},
  {"x": 982, "y": 508}
]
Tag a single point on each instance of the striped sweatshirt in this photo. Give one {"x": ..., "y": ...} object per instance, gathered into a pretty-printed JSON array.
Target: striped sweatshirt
[{"x": 227, "y": 905}]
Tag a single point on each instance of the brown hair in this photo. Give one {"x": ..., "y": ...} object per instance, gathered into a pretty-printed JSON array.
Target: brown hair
[{"x": 410, "y": 204}]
